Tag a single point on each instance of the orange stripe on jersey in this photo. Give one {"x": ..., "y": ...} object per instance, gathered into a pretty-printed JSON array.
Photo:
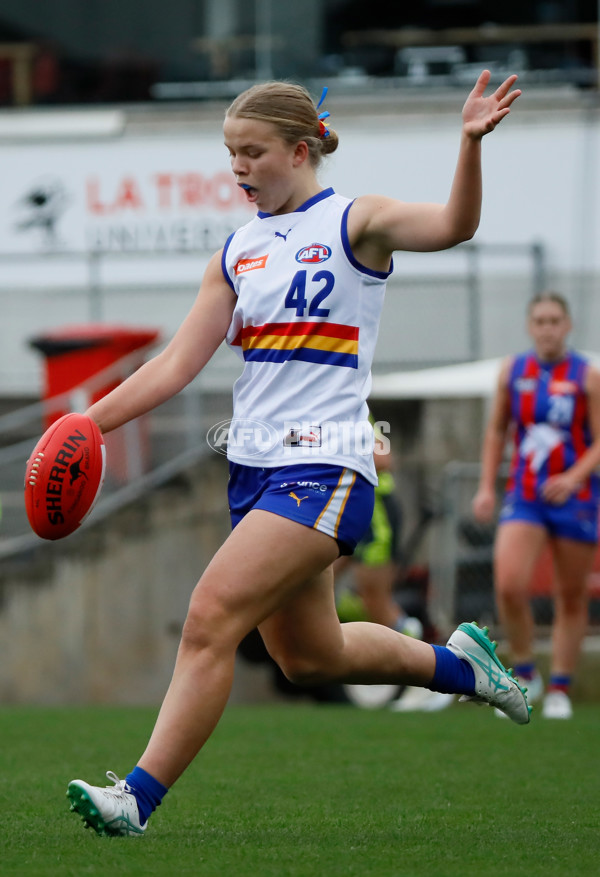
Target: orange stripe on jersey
[{"x": 291, "y": 342}]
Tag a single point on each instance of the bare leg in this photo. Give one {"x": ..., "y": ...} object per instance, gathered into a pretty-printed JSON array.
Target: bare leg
[
  {"x": 518, "y": 547},
  {"x": 308, "y": 642},
  {"x": 574, "y": 561},
  {"x": 375, "y": 586}
]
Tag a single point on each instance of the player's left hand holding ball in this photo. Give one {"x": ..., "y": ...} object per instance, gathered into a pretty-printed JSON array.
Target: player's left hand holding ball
[{"x": 64, "y": 476}]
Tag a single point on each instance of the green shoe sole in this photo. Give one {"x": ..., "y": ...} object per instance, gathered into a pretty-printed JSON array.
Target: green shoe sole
[{"x": 84, "y": 806}]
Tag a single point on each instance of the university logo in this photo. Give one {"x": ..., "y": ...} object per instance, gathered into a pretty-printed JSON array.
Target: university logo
[{"x": 40, "y": 209}]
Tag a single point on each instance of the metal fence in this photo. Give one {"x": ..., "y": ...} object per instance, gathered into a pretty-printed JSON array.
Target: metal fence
[
  {"x": 140, "y": 455},
  {"x": 441, "y": 308},
  {"x": 461, "y": 584}
]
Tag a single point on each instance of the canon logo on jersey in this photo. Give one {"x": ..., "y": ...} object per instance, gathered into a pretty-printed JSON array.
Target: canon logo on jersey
[{"x": 313, "y": 254}]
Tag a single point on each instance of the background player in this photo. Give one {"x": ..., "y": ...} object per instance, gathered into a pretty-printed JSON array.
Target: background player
[{"x": 551, "y": 397}]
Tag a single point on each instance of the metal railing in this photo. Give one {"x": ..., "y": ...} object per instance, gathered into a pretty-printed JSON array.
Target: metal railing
[{"x": 140, "y": 455}]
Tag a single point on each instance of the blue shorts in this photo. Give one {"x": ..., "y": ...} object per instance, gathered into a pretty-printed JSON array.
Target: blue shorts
[
  {"x": 332, "y": 499},
  {"x": 573, "y": 519}
]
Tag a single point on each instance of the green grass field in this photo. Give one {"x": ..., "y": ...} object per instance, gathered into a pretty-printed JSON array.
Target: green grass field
[{"x": 313, "y": 790}]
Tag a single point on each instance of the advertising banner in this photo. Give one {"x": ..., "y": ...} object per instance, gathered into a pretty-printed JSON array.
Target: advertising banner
[{"x": 145, "y": 195}]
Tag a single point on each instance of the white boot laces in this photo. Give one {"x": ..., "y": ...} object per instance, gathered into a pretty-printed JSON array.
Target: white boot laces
[{"x": 120, "y": 786}]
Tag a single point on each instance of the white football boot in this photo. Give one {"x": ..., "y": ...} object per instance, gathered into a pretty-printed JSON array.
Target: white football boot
[
  {"x": 493, "y": 683},
  {"x": 557, "y": 705},
  {"x": 371, "y": 697},
  {"x": 421, "y": 700},
  {"x": 112, "y": 810},
  {"x": 534, "y": 689}
]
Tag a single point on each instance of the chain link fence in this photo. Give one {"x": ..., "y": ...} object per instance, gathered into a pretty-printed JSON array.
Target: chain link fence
[{"x": 461, "y": 586}]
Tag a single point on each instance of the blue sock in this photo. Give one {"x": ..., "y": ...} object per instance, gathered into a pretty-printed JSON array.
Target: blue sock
[
  {"x": 453, "y": 675},
  {"x": 148, "y": 791},
  {"x": 525, "y": 671},
  {"x": 559, "y": 682}
]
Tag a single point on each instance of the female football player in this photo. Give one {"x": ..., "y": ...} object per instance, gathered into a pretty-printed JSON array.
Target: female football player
[
  {"x": 298, "y": 293},
  {"x": 551, "y": 396}
]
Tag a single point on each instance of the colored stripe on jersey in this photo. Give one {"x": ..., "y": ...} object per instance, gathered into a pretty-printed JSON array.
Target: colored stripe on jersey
[{"x": 326, "y": 343}]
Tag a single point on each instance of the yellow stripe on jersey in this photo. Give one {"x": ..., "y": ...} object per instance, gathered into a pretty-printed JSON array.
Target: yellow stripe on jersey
[{"x": 291, "y": 342}]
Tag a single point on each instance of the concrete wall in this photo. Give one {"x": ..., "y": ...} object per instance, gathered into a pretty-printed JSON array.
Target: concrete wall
[{"x": 97, "y": 618}]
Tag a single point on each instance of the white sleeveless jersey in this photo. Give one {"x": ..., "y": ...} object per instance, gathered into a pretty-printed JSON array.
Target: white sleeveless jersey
[{"x": 305, "y": 324}]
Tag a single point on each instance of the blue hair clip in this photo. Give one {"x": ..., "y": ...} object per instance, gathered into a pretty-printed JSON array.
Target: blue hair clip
[
  {"x": 324, "y": 115},
  {"x": 323, "y": 96}
]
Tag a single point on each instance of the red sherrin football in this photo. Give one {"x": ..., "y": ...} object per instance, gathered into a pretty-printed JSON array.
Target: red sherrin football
[{"x": 64, "y": 476}]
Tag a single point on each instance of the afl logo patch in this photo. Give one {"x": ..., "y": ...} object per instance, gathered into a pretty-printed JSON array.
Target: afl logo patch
[{"x": 313, "y": 254}]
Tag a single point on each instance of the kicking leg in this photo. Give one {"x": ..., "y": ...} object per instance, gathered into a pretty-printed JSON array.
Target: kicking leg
[
  {"x": 310, "y": 645},
  {"x": 308, "y": 642}
]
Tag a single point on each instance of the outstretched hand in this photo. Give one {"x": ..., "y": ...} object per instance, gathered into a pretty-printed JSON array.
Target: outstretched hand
[{"x": 481, "y": 114}]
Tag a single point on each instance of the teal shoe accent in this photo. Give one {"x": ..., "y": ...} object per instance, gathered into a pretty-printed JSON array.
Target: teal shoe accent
[
  {"x": 495, "y": 674},
  {"x": 494, "y": 684}
]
